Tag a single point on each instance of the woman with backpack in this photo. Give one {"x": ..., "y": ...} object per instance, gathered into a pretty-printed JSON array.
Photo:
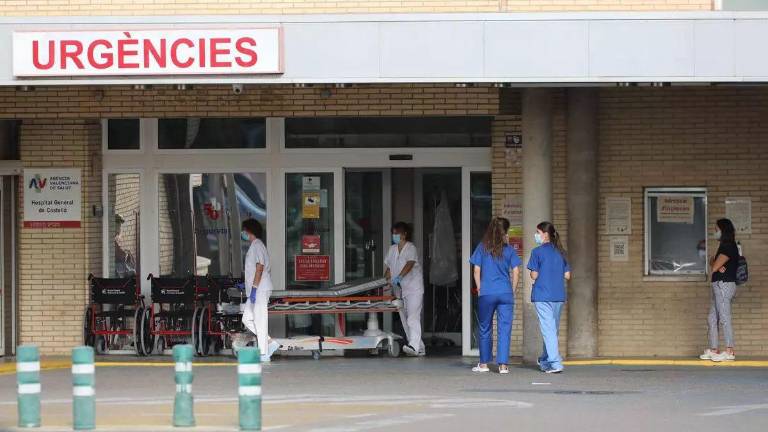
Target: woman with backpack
[
  {"x": 724, "y": 265},
  {"x": 549, "y": 270}
]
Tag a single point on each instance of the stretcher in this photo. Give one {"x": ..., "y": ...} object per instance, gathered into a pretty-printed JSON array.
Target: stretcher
[{"x": 362, "y": 296}]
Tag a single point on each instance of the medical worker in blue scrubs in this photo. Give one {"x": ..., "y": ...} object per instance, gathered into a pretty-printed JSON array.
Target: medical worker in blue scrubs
[
  {"x": 496, "y": 272},
  {"x": 549, "y": 270}
]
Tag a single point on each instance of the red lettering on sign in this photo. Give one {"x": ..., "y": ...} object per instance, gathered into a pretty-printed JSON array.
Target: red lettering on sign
[
  {"x": 107, "y": 57},
  {"x": 242, "y": 46},
  {"x": 36, "y": 55},
  {"x": 175, "y": 55},
  {"x": 123, "y": 52},
  {"x": 157, "y": 55},
  {"x": 73, "y": 55},
  {"x": 216, "y": 52}
]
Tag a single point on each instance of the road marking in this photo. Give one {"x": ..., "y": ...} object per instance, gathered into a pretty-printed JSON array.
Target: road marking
[
  {"x": 383, "y": 423},
  {"x": 735, "y": 409},
  {"x": 540, "y": 383}
]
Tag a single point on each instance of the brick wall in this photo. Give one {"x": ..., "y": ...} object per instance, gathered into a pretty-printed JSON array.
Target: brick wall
[{"x": 237, "y": 7}]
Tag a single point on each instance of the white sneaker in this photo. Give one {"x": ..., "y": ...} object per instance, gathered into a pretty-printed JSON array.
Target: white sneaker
[
  {"x": 410, "y": 351},
  {"x": 553, "y": 370},
  {"x": 480, "y": 368},
  {"x": 272, "y": 347},
  {"x": 503, "y": 370},
  {"x": 708, "y": 353},
  {"x": 722, "y": 356}
]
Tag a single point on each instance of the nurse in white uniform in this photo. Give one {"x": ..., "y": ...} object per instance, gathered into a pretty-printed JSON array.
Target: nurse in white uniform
[
  {"x": 403, "y": 271},
  {"x": 258, "y": 287}
]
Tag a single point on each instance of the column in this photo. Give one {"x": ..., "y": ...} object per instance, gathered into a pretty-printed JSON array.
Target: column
[
  {"x": 582, "y": 198},
  {"x": 537, "y": 198}
]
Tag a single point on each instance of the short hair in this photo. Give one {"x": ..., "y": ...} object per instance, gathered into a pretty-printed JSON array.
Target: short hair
[
  {"x": 254, "y": 227},
  {"x": 403, "y": 228}
]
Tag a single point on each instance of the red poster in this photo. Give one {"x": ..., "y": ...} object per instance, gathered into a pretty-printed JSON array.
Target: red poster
[
  {"x": 312, "y": 268},
  {"x": 517, "y": 244},
  {"x": 310, "y": 244}
]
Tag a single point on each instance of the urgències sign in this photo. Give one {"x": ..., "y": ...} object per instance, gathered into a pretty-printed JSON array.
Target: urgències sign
[{"x": 148, "y": 52}]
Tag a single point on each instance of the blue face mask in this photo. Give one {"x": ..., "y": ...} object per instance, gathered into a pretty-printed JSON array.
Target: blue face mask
[
  {"x": 538, "y": 239},
  {"x": 244, "y": 236},
  {"x": 395, "y": 238}
]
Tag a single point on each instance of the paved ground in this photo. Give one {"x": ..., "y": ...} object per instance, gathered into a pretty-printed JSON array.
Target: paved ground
[{"x": 432, "y": 394}]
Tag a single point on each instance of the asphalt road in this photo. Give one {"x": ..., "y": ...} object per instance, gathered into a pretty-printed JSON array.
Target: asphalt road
[{"x": 426, "y": 394}]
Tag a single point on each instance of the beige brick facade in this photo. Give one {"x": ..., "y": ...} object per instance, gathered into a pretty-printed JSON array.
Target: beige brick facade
[
  {"x": 709, "y": 137},
  {"x": 238, "y": 7}
]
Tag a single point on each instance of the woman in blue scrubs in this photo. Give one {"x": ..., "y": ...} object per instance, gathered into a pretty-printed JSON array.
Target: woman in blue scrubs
[
  {"x": 495, "y": 267},
  {"x": 549, "y": 270}
]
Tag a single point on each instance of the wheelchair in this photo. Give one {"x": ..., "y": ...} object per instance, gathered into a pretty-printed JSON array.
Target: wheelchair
[
  {"x": 112, "y": 318},
  {"x": 218, "y": 315},
  {"x": 168, "y": 320}
]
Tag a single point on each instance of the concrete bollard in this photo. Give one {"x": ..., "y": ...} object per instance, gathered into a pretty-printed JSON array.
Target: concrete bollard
[
  {"x": 183, "y": 413},
  {"x": 83, "y": 391},
  {"x": 28, "y": 380},
  {"x": 249, "y": 388}
]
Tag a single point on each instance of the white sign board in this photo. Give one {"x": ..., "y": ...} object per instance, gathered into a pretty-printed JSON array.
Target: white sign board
[
  {"x": 618, "y": 216},
  {"x": 52, "y": 198},
  {"x": 739, "y": 211},
  {"x": 148, "y": 52},
  {"x": 675, "y": 209},
  {"x": 512, "y": 210},
  {"x": 619, "y": 248}
]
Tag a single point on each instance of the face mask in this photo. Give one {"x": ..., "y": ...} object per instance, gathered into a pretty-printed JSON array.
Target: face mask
[
  {"x": 538, "y": 239},
  {"x": 702, "y": 253},
  {"x": 717, "y": 235},
  {"x": 395, "y": 238},
  {"x": 244, "y": 236}
]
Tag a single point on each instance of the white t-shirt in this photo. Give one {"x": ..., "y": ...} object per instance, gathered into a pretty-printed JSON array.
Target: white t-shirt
[
  {"x": 257, "y": 254},
  {"x": 397, "y": 259}
]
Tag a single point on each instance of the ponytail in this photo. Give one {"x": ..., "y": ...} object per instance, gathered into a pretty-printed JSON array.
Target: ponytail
[{"x": 554, "y": 236}]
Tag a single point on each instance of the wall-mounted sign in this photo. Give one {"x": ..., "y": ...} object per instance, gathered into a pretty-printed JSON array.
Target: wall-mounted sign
[
  {"x": 52, "y": 198},
  {"x": 312, "y": 268},
  {"x": 739, "y": 211},
  {"x": 310, "y": 183},
  {"x": 148, "y": 52},
  {"x": 618, "y": 216},
  {"x": 310, "y": 244},
  {"x": 675, "y": 209},
  {"x": 310, "y": 208},
  {"x": 619, "y": 248}
]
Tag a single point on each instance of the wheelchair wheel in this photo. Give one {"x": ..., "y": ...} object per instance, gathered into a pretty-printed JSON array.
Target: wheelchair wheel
[
  {"x": 88, "y": 337},
  {"x": 203, "y": 332},
  {"x": 195, "y": 338},
  {"x": 137, "y": 314},
  {"x": 147, "y": 339}
]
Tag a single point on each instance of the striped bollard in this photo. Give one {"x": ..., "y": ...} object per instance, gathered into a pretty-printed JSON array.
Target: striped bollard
[
  {"x": 249, "y": 388},
  {"x": 28, "y": 380},
  {"x": 83, "y": 391},
  {"x": 183, "y": 414}
]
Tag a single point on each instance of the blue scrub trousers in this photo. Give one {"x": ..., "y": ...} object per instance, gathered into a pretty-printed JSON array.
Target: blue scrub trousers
[
  {"x": 504, "y": 307},
  {"x": 549, "y": 323}
]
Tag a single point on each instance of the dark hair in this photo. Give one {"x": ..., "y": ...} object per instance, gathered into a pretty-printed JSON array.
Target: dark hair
[
  {"x": 403, "y": 228},
  {"x": 494, "y": 238},
  {"x": 254, "y": 227},
  {"x": 554, "y": 237},
  {"x": 727, "y": 231}
]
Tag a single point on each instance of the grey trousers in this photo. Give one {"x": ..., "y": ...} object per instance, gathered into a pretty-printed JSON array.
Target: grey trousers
[{"x": 720, "y": 313}]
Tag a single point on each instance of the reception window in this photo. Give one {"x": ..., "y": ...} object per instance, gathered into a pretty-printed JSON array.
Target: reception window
[{"x": 676, "y": 231}]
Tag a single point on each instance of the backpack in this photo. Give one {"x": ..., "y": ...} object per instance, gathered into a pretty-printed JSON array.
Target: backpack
[{"x": 742, "y": 271}]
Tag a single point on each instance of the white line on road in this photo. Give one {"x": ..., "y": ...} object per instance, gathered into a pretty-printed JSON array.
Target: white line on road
[
  {"x": 735, "y": 409},
  {"x": 382, "y": 423}
]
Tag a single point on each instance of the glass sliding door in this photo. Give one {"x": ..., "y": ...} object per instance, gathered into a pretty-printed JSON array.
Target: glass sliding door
[{"x": 480, "y": 214}]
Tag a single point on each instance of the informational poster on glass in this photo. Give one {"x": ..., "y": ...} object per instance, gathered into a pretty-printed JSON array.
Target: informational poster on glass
[
  {"x": 619, "y": 248},
  {"x": 313, "y": 268},
  {"x": 512, "y": 209},
  {"x": 675, "y": 209},
  {"x": 618, "y": 216},
  {"x": 52, "y": 198},
  {"x": 310, "y": 244},
  {"x": 739, "y": 211},
  {"x": 311, "y": 205}
]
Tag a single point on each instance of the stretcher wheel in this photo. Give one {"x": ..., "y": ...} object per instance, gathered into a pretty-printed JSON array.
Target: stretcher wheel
[
  {"x": 147, "y": 339},
  {"x": 195, "y": 339},
  {"x": 100, "y": 346},
  {"x": 393, "y": 349},
  {"x": 203, "y": 333},
  {"x": 137, "y": 329},
  {"x": 88, "y": 337},
  {"x": 316, "y": 355}
]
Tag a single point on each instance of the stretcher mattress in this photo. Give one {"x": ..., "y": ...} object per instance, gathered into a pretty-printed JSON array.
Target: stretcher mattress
[{"x": 345, "y": 289}]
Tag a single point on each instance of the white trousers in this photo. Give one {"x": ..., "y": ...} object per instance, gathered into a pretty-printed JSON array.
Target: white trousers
[
  {"x": 255, "y": 315},
  {"x": 410, "y": 315}
]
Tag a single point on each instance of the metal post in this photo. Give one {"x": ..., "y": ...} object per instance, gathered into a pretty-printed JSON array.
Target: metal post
[
  {"x": 28, "y": 380},
  {"x": 183, "y": 414},
  {"x": 249, "y": 388},
  {"x": 83, "y": 392}
]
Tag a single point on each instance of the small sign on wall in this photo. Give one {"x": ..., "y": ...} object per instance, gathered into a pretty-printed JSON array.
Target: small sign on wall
[
  {"x": 312, "y": 268},
  {"x": 618, "y": 216},
  {"x": 310, "y": 244},
  {"x": 52, "y": 198},
  {"x": 619, "y": 248},
  {"x": 739, "y": 211}
]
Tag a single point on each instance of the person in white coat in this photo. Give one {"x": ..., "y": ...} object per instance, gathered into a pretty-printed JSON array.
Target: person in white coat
[
  {"x": 258, "y": 287},
  {"x": 403, "y": 271}
]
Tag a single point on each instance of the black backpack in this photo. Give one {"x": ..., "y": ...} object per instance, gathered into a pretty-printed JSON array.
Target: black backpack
[{"x": 742, "y": 269}]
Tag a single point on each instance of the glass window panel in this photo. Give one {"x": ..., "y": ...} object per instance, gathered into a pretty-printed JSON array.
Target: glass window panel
[
  {"x": 482, "y": 210},
  {"x": 212, "y": 133},
  {"x": 123, "y": 134},
  {"x": 200, "y": 217},
  {"x": 123, "y": 224},
  {"x": 387, "y": 132},
  {"x": 675, "y": 242}
]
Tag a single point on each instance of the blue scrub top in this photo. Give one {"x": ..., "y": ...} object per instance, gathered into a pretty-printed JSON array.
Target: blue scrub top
[
  {"x": 495, "y": 272},
  {"x": 551, "y": 266}
]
